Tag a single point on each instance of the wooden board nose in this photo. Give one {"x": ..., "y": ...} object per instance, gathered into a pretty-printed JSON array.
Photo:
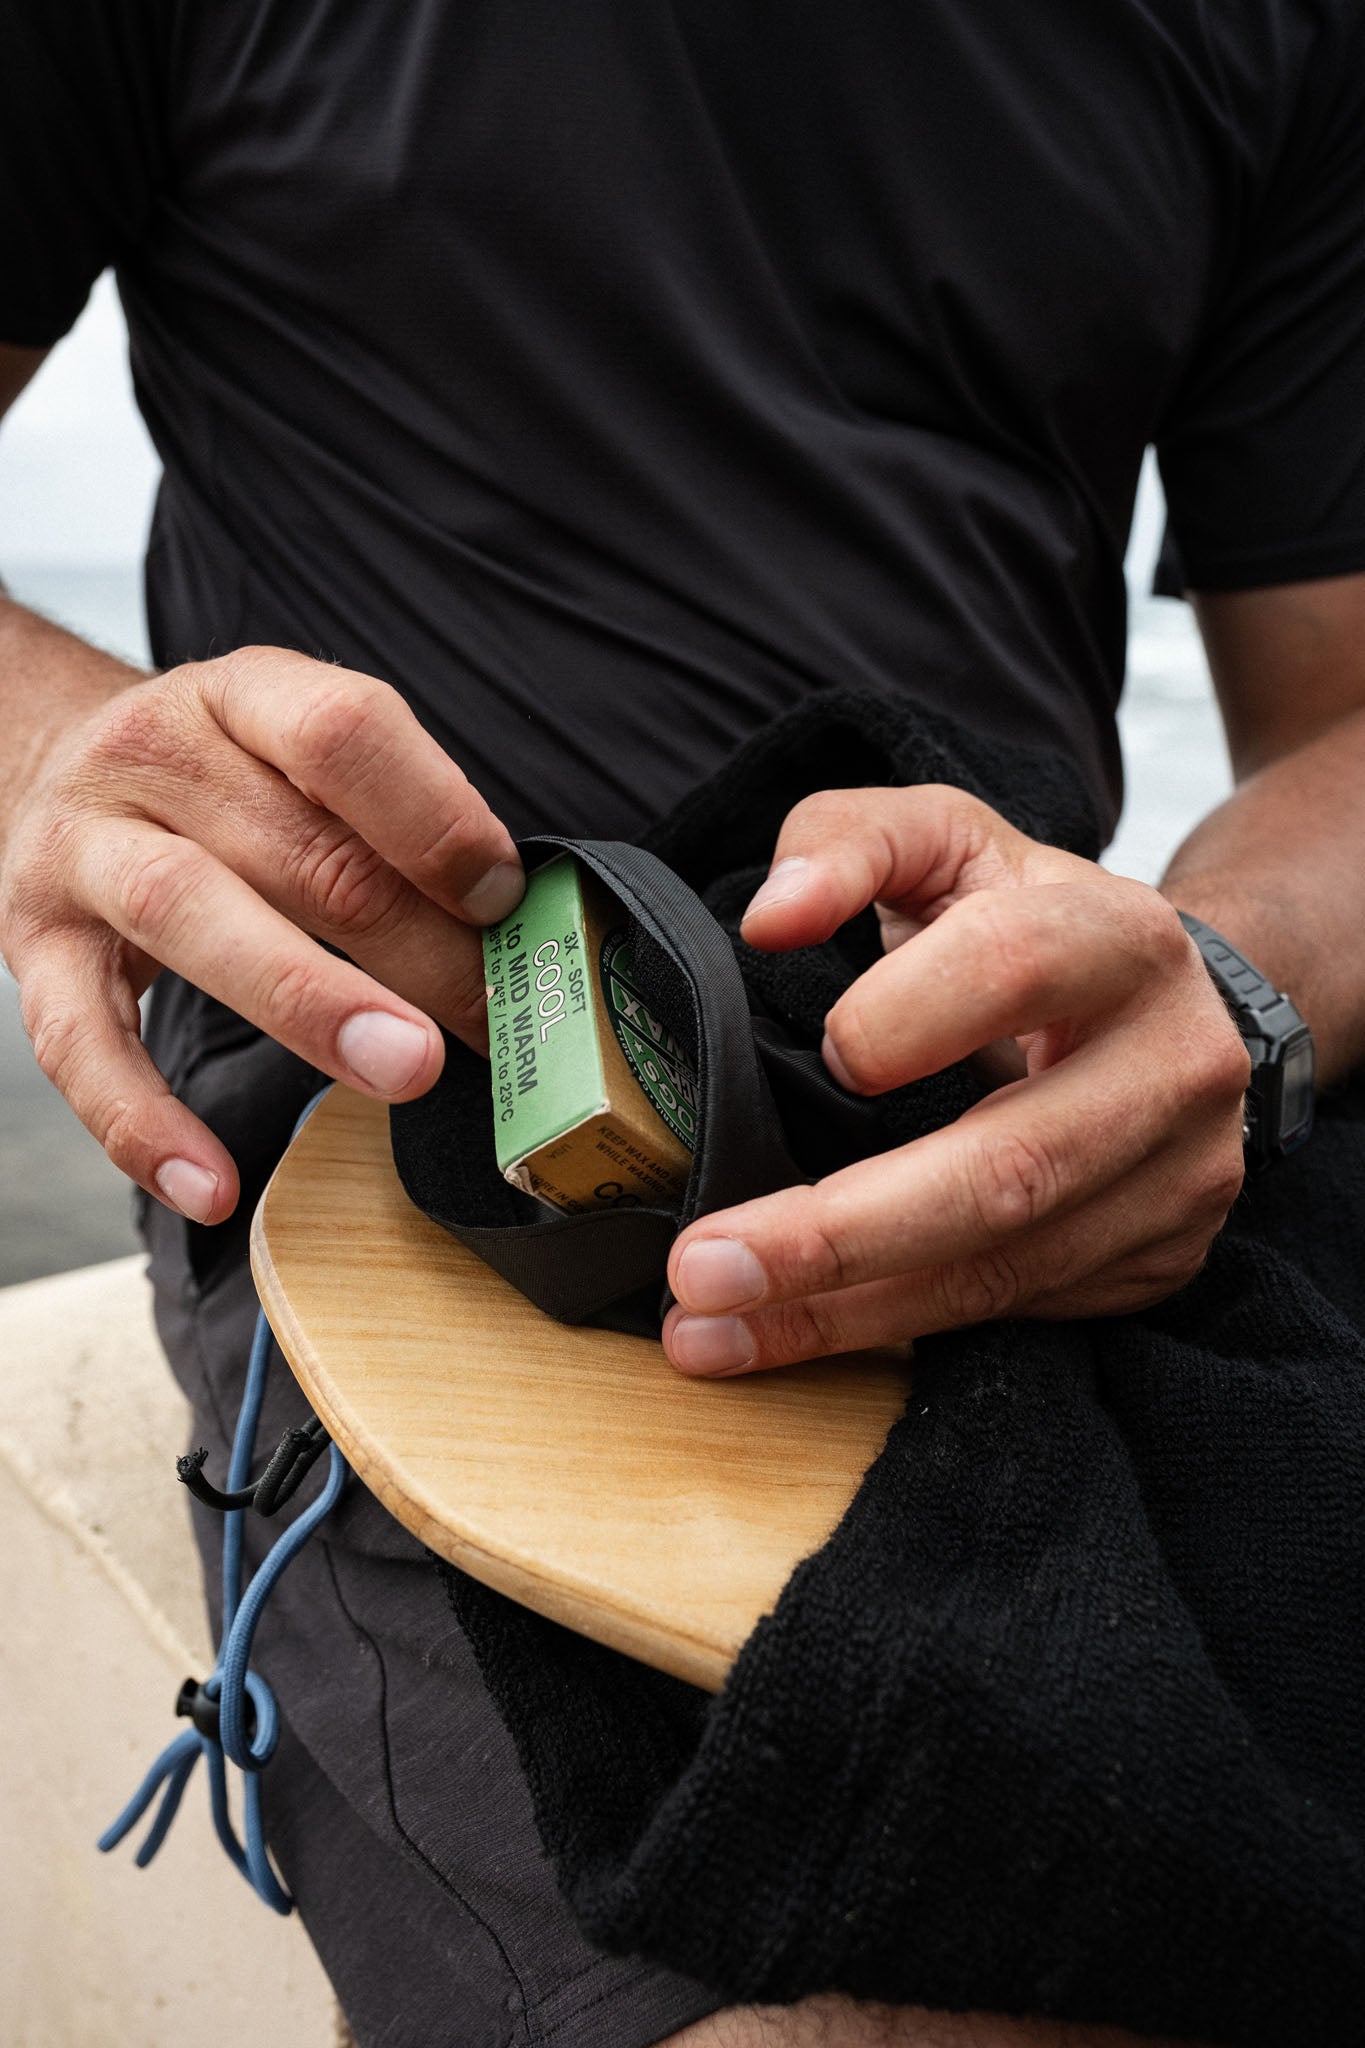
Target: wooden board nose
[{"x": 573, "y": 1469}]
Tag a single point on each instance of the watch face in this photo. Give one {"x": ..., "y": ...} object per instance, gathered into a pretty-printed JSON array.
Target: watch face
[{"x": 1296, "y": 1090}]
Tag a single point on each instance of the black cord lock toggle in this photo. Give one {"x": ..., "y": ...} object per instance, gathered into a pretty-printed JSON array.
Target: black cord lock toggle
[{"x": 192, "y": 1703}]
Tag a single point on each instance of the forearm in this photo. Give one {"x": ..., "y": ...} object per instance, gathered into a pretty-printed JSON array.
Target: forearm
[
  {"x": 1280, "y": 870},
  {"x": 48, "y": 678}
]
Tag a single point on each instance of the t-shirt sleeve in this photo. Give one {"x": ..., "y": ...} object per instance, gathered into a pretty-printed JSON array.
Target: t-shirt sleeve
[
  {"x": 1263, "y": 452},
  {"x": 80, "y": 147}
]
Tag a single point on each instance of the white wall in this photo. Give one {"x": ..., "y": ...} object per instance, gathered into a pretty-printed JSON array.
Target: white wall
[{"x": 77, "y": 471}]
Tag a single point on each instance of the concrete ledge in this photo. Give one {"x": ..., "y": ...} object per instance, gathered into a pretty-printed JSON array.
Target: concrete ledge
[{"x": 100, "y": 1619}]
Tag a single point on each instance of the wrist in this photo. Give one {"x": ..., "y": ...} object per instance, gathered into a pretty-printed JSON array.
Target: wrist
[{"x": 1256, "y": 925}]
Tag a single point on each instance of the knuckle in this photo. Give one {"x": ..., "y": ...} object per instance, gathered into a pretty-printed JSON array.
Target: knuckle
[
  {"x": 142, "y": 728},
  {"x": 31, "y": 895},
  {"x": 239, "y": 667},
  {"x": 1013, "y": 956},
  {"x": 346, "y": 886},
  {"x": 155, "y": 890},
  {"x": 129, "y": 727},
  {"x": 46, "y": 852},
  {"x": 335, "y": 729},
  {"x": 57, "y": 844},
  {"x": 242, "y": 662},
  {"x": 1220, "y": 1181},
  {"x": 812, "y": 1261},
  {"x": 1228, "y": 1064},
  {"x": 458, "y": 844},
  {"x": 976, "y": 1290},
  {"x": 793, "y": 1330},
  {"x": 1166, "y": 1268},
  {"x": 59, "y": 1034},
  {"x": 855, "y": 1041},
  {"x": 1217, "y": 1066},
  {"x": 1011, "y": 1183},
  {"x": 297, "y": 997},
  {"x": 119, "y": 1129},
  {"x": 1158, "y": 927},
  {"x": 972, "y": 839},
  {"x": 466, "y": 990},
  {"x": 968, "y": 816},
  {"x": 221, "y": 677}
]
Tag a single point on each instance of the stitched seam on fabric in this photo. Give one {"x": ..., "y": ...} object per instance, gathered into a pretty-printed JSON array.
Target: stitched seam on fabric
[
  {"x": 604, "y": 1997},
  {"x": 439, "y": 1875},
  {"x": 566, "y": 1984},
  {"x": 1275, "y": 556},
  {"x": 574, "y": 1977}
]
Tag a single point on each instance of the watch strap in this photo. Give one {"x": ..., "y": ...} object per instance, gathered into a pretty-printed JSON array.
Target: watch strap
[
  {"x": 1269, "y": 1025},
  {"x": 1251, "y": 998}
]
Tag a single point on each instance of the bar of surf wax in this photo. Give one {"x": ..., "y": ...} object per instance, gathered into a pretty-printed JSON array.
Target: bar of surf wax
[{"x": 594, "y": 1100}]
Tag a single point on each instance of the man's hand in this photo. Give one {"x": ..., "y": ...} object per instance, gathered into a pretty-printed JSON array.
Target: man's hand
[
  {"x": 207, "y": 820},
  {"x": 1092, "y": 1185}
]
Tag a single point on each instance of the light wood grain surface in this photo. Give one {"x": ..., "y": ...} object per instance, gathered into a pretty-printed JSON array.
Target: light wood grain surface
[{"x": 573, "y": 1469}]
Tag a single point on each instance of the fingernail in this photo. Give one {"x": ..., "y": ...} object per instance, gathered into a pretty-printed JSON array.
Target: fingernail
[
  {"x": 836, "y": 1065},
  {"x": 383, "y": 1051},
  {"x": 718, "y": 1272},
  {"x": 499, "y": 893},
  {"x": 188, "y": 1188},
  {"x": 704, "y": 1344},
  {"x": 786, "y": 881}
]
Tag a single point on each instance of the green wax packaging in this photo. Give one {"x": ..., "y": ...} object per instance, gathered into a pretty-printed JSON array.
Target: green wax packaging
[{"x": 594, "y": 1102}]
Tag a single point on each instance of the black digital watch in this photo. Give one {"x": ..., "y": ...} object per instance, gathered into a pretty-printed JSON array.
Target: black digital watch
[{"x": 1279, "y": 1098}]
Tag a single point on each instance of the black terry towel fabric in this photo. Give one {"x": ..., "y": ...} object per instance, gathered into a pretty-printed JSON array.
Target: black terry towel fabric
[{"x": 1066, "y": 1717}]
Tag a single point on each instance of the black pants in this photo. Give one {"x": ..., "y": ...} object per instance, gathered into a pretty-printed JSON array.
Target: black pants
[{"x": 394, "y": 1804}]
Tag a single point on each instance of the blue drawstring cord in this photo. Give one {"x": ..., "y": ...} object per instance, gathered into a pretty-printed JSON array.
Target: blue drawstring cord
[{"x": 233, "y": 1731}]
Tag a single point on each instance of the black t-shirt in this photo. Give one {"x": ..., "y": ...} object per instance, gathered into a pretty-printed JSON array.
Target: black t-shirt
[{"x": 608, "y": 373}]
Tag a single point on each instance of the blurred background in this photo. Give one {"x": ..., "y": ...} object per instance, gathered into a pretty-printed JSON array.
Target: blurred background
[{"x": 77, "y": 475}]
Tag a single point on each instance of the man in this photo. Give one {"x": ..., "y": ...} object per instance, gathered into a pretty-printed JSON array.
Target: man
[{"x": 603, "y": 379}]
